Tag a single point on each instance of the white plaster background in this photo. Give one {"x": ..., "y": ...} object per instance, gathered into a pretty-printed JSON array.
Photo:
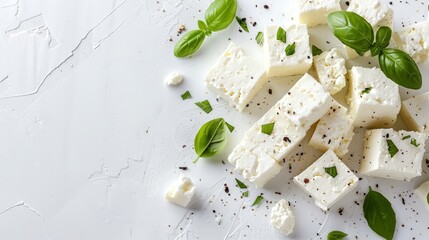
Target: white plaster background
[{"x": 90, "y": 137}]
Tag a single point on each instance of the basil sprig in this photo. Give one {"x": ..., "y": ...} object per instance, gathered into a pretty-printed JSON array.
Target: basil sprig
[
  {"x": 211, "y": 138},
  {"x": 355, "y": 32},
  {"x": 218, "y": 16},
  {"x": 379, "y": 214}
]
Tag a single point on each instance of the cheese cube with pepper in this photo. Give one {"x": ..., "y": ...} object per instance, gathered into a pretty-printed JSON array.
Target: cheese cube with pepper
[
  {"x": 327, "y": 180},
  {"x": 414, "y": 40},
  {"x": 334, "y": 131},
  {"x": 391, "y": 154},
  {"x": 316, "y": 12},
  {"x": 331, "y": 70},
  {"x": 236, "y": 77},
  {"x": 374, "y": 99},
  {"x": 260, "y": 154},
  {"x": 278, "y": 63},
  {"x": 415, "y": 113}
]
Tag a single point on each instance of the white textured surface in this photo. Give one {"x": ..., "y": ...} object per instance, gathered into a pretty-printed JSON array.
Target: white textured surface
[{"x": 91, "y": 137}]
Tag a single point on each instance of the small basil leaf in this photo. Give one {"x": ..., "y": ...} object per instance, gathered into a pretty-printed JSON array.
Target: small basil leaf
[
  {"x": 210, "y": 139},
  {"x": 379, "y": 214},
  {"x": 336, "y": 235},
  {"x": 400, "y": 68},
  {"x": 240, "y": 184},
  {"x": 186, "y": 95},
  {"x": 258, "y": 200},
  {"x": 352, "y": 30},
  {"x": 382, "y": 40},
  {"x": 315, "y": 50},
  {"x": 189, "y": 43},
  {"x": 220, "y": 14},
  {"x": 205, "y": 106},
  {"x": 242, "y": 23},
  {"x": 331, "y": 171},
  {"x": 259, "y": 38},
  {"x": 391, "y": 147},
  {"x": 290, "y": 49},
  {"x": 281, "y": 35}
]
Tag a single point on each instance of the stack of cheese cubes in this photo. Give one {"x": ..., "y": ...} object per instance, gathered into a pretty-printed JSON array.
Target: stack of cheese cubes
[{"x": 374, "y": 103}]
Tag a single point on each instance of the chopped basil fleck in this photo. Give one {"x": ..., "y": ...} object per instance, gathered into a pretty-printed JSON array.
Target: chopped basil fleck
[
  {"x": 230, "y": 127},
  {"x": 315, "y": 50},
  {"x": 281, "y": 35},
  {"x": 240, "y": 184},
  {"x": 391, "y": 147},
  {"x": 186, "y": 95},
  {"x": 267, "y": 128},
  {"x": 331, "y": 171},
  {"x": 258, "y": 200},
  {"x": 406, "y": 137},
  {"x": 246, "y": 194},
  {"x": 336, "y": 235},
  {"x": 243, "y": 24},
  {"x": 205, "y": 106},
  {"x": 366, "y": 90},
  {"x": 290, "y": 49},
  {"x": 414, "y": 142},
  {"x": 260, "y": 38},
  {"x": 427, "y": 198}
]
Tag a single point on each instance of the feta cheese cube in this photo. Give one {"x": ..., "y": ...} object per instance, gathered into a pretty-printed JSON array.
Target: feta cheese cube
[
  {"x": 181, "y": 191},
  {"x": 331, "y": 69},
  {"x": 325, "y": 188},
  {"x": 375, "y": 12},
  {"x": 277, "y": 63},
  {"x": 259, "y": 156},
  {"x": 316, "y": 12},
  {"x": 422, "y": 193},
  {"x": 394, "y": 155},
  {"x": 415, "y": 113},
  {"x": 334, "y": 131},
  {"x": 374, "y": 99},
  {"x": 236, "y": 77},
  {"x": 173, "y": 78},
  {"x": 414, "y": 40},
  {"x": 282, "y": 217}
]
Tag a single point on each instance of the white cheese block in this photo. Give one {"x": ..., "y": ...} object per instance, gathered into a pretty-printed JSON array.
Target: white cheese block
[
  {"x": 414, "y": 40},
  {"x": 374, "y": 99},
  {"x": 259, "y": 156},
  {"x": 406, "y": 164},
  {"x": 173, "y": 78},
  {"x": 415, "y": 113},
  {"x": 422, "y": 193},
  {"x": 334, "y": 131},
  {"x": 325, "y": 189},
  {"x": 375, "y": 12},
  {"x": 236, "y": 77},
  {"x": 181, "y": 191},
  {"x": 277, "y": 64},
  {"x": 331, "y": 70},
  {"x": 316, "y": 12},
  {"x": 282, "y": 217}
]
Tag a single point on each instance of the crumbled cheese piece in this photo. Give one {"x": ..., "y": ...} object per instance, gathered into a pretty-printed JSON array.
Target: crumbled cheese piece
[
  {"x": 174, "y": 78},
  {"x": 181, "y": 191},
  {"x": 414, "y": 40},
  {"x": 282, "y": 217},
  {"x": 236, "y": 77},
  {"x": 331, "y": 70}
]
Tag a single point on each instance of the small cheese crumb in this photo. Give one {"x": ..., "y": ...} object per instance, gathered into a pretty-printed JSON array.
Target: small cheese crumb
[
  {"x": 282, "y": 217},
  {"x": 174, "y": 78}
]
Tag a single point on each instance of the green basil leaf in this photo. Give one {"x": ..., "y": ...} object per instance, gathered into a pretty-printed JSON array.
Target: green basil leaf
[
  {"x": 366, "y": 90},
  {"x": 406, "y": 137},
  {"x": 220, "y": 14},
  {"x": 414, "y": 142},
  {"x": 240, "y": 184},
  {"x": 205, "y": 106},
  {"x": 400, "y": 68},
  {"x": 258, "y": 200},
  {"x": 246, "y": 194},
  {"x": 331, "y": 171},
  {"x": 336, "y": 235},
  {"x": 352, "y": 30},
  {"x": 210, "y": 139},
  {"x": 382, "y": 40},
  {"x": 230, "y": 127},
  {"x": 281, "y": 35},
  {"x": 186, "y": 95},
  {"x": 290, "y": 49},
  {"x": 189, "y": 43},
  {"x": 315, "y": 50},
  {"x": 391, "y": 147},
  {"x": 260, "y": 38},
  {"x": 427, "y": 198},
  {"x": 267, "y": 128},
  {"x": 242, "y": 23},
  {"x": 379, "y": 214}
]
